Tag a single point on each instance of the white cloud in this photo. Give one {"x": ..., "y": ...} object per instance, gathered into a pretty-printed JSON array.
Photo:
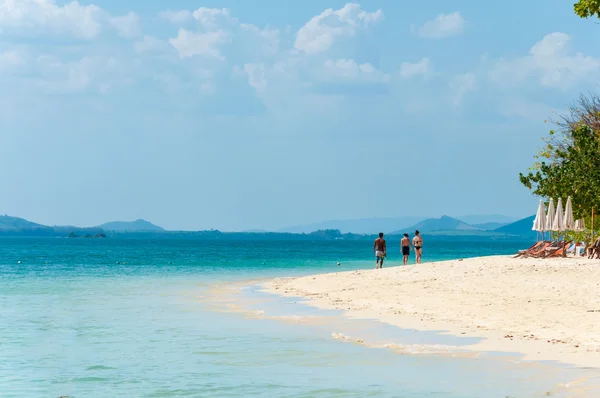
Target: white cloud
[
  {"x": 350, "y": 70},
  {"x": 525, "y": 109},
  {"x": 45, "y": 16},
  {"x": 267, "y": 39},
  {"x": 551, "y": 61},
  {"x": 151, "y": 44},
  {"x": 88, "y": 73},
  {"x": 256, "y": 76},
  {"x": 30, "y": 15},
  {"x": 10, "y": 59},
  {"x": 461, "y": 85},
  {"x": 213, "y": 18},
  {"x": 189, "y": 44},
  {"x": 176, "y": 17},
  {"x": 422, "y": 68},
  {"x": 216, "y": 27},
  {"x": 322, "y": 31},
  {"x": 444, "y": 25},
  {"x": 128, "y": 25}
]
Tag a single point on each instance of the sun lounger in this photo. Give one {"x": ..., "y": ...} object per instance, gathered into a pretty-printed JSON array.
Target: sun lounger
[
  {"x": 555, "y": 250},
  {"x": 540, "y": 250},
  {"x": 526, "y": 251}
]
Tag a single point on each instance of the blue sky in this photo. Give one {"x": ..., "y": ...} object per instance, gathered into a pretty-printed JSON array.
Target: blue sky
[{"x": 263, "y": 114}]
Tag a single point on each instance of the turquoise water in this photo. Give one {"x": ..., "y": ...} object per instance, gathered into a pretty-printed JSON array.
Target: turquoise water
[{"x": 139, "y": 318}]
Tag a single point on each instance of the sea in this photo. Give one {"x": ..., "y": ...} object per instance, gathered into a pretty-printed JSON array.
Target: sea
[{"x": 187, "y": 318}]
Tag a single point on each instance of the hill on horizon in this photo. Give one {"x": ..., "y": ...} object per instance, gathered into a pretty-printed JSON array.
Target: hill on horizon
[
  {"x": 357, "y": 226},
  {"x": 393, "y": 224},
  {"x": 131, "y": 226},
  {"x": 490, "y": 226},
  {"x": 521, "y": 227},
  {"x": 16, "y": 226},
  {"x": 9, "y": 223},
  {"x": 444, "y": 223},
  {"x": 478, "y": 219}
]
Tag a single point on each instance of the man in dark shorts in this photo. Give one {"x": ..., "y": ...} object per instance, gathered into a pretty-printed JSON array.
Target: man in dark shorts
[
  {"x": 405, "y": 248},
  {"x": 380, "y": 251}
]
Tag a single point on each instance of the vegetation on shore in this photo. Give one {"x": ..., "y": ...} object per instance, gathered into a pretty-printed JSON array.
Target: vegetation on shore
[{"x": 569, "y": 162}]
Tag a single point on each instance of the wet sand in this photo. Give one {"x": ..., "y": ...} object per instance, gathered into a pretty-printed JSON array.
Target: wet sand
[{"x": 545, "y": 309}]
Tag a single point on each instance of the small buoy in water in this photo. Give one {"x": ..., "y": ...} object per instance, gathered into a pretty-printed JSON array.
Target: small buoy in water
[
  {"x": 19, "y": 262},
  {"x": 118, "y": 262},
  {"x": 339, "y": 264},
  {"x": 263, "y": 263},
  {"x": 170, "y": 263}
]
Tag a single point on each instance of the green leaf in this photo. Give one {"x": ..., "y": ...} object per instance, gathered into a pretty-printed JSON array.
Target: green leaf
[{"x": 587, "y": 8}]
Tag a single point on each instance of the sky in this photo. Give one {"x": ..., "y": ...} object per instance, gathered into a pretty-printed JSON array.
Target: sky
[{"x": 263, "y": 114}]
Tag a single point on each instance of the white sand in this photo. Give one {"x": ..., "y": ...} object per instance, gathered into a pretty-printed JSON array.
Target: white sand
[{"x": 546, "y": 309}]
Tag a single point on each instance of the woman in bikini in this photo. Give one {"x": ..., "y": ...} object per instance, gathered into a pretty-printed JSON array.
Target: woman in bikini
[{"x": 418, "y": 245}]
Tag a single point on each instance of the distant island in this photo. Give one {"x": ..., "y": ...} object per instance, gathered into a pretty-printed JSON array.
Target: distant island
[
  {"x": 444, "y": 227},
  {"x": 392, "y": 224},
  {"x": 131, "y": 226},
  {"x": 15, "y": 226}
]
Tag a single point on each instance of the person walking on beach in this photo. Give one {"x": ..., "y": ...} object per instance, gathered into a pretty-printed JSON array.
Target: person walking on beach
[
  {"x": 418, "y": 245},
  {"x": 380, "y": 251},
  {"x": 405, "y": 248}
]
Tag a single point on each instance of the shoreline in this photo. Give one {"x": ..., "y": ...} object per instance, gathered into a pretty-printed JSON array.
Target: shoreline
[{"x": 542, "y": 309}]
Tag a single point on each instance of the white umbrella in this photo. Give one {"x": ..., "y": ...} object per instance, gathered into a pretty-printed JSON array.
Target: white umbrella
[
  {"x": 569, "y": 222},
  {"x": 550, "y": 216},
  {"x": 579, "y": 226},
  {"x": 558, "y": 224},
  {"x": 539, "y": 224},
  {"x": 582, "y": 224}
]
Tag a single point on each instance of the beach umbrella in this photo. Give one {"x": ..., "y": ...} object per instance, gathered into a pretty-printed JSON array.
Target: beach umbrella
[
  {"x": 569, "y": 222},
  {"x": 558, "y": 223},
  {"x": 579, "y": 226},
  {"x": 539, "y": 224},
  {"x": 550, "y": 216}
]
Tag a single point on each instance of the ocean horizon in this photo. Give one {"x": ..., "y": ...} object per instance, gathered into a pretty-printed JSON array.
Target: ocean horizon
[{"x": 171, "y": 318}]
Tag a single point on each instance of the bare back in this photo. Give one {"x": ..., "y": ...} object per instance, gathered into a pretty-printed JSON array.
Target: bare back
[{"x": 417, "y": 241}]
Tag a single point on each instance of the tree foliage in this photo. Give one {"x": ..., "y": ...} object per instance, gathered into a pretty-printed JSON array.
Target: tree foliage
[
  {"x": 569, "y": 162},
  {"x": 587, "y": 8}
]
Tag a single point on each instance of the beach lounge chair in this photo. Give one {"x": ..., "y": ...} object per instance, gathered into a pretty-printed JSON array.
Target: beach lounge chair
[
  {"x": 539, "y": 250},
  {"x": 555, "y": 250},
  {"x": 529, "y": 250}
]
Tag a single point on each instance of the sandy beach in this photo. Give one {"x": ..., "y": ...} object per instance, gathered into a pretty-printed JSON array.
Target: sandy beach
[{"x": 544, "y": 309}]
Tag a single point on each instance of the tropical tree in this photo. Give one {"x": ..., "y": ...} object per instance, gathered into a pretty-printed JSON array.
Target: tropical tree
[
  {"x": 569, "y": 162},
  {"x": 587, "y": 8}
]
